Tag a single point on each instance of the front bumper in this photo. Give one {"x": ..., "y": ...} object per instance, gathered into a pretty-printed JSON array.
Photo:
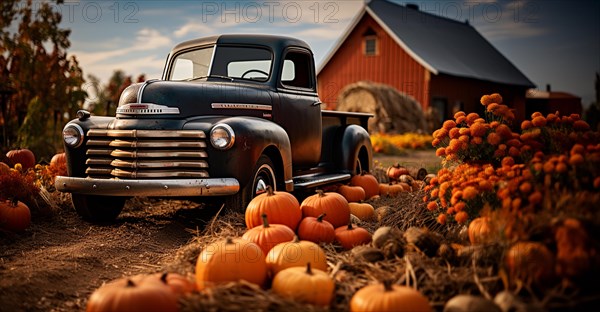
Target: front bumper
[{"x": 150, "y": 188}]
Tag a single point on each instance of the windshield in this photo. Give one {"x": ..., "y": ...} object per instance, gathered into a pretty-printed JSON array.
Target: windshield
[
  {"x": 229, "y": 61},
  {"x": 192, "y": 64}
]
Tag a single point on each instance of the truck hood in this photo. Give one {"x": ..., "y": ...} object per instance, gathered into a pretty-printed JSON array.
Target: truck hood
[{"x": 177, "y": 99}]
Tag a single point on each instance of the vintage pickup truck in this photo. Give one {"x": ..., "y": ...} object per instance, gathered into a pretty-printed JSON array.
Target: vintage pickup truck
[{"x": 231, "y": 115}]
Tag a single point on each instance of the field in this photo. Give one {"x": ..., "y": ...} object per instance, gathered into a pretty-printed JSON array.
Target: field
[{"x": 510, "y": 216}]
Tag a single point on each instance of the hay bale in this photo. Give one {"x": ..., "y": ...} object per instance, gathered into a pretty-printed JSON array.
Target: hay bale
[{"x": 394, "y": 111}]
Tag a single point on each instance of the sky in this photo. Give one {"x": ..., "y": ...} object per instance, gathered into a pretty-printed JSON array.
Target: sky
[{"x": 554, "y": 42}]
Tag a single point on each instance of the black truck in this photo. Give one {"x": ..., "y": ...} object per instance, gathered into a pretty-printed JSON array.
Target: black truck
[{"x": 231, "y": 115}]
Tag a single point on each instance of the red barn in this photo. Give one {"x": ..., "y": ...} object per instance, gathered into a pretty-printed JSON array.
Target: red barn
[{"x": 442, "y": 63}]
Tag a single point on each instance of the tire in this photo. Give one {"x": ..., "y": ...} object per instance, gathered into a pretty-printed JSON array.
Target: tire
[
  {"x": 263, "y": 176},
  {"x": 97, "y": 209}
]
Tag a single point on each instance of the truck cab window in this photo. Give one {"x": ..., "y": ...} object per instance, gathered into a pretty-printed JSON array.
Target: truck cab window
[
  {"x": 192, "y": 64},
  {"x": 295, "y": 73},
  {"x": 242, "y": 62}
]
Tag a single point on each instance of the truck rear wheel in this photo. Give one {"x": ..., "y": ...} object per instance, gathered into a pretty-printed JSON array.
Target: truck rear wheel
[
  {"x": 264, "y": 175},
  {"x": 97, "y": 208}
]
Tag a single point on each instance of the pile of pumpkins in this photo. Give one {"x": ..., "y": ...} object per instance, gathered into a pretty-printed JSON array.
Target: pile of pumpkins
[
  {"x": 15, "y": 216},
  {"x": 281, "y": 250}
]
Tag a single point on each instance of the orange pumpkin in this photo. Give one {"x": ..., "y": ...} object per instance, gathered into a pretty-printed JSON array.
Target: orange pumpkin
[
  {"x": 352, "y": 193},
  {"x": 22, "y": 156},
  {"x": 368, "y": 182},
  {"x": 127, "y": 295},
  {"x": 333, "y": 205},
  {"x": 59, "y": 164},
  {"x": 384, "y": 189},
  {"x": 481, "y": 231},
  {"x": 281, "y": 207},
  {"x": 316, "y": 230},
  {"x": 387, "y": 297},
  {"x": 304, "y": 284},
  {"x": 295, "y": 253},
  {"x": 230, "y": 260},
  {"x": 395, "y": 171},
  {"x": 269, "y": 235},
  {"x": 530, "y": 262},
  {"x": 396, "y": 189},
  {"x": 4, "y": 168},
  {"x": 349, "y": 236},
  {"x": 178, "y": 284},
  {"x": 14, "y": 216},
  {"x": 364, "y": 211}
]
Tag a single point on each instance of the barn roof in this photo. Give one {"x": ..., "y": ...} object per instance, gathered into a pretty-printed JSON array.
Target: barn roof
[{"x": 439, "y": 44}]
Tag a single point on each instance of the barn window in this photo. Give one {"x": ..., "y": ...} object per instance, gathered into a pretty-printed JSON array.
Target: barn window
[
  {"x": 371, "y": 45},
  {"x": 370, "y": 42}
]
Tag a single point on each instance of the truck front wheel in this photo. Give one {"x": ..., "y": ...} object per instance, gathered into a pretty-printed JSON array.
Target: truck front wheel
[
  {"x": 98, "y": 208},
  {"x": 264, "y": 175}
]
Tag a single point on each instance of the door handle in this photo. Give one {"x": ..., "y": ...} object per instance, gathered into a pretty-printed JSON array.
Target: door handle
[{"x": 317, "y": 103}]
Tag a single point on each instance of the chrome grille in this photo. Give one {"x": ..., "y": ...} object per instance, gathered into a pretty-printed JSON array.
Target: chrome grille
[{"x": 146, "y": 154}]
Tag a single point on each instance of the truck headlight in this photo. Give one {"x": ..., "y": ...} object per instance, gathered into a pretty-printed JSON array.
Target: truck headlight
[
  {"x": 222, "y": 136},
  {"x": 73, "y": 135}
]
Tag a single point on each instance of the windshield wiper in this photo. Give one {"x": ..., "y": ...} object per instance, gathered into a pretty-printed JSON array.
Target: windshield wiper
[{"x": 209, "y": 76}]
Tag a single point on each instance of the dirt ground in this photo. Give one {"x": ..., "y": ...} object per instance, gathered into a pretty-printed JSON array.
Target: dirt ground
[{"x": 60, "y": 260}]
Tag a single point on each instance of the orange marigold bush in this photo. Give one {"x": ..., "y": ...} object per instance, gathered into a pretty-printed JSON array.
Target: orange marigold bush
[{"x": 488, "y": 163}]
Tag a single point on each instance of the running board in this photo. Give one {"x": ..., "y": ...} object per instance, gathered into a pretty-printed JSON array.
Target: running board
[{"x": 314, "y": 180}]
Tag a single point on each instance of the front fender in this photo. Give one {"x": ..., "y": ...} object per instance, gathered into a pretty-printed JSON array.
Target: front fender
[
  {"x": 355, "y": 144},
  {"x": 75, "y": 157},
  {"x": 253, "y": 137}
]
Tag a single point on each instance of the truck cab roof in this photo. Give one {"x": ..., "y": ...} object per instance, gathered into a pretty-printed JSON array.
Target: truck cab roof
[{"x": 275, "y": 43}]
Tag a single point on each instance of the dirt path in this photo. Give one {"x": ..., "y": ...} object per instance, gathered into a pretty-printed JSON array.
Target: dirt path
[
  {"x": 56, "y": 263},
  {"x": 60, "y": 259}
]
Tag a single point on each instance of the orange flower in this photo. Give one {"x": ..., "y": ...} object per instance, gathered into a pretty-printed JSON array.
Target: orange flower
[
  {"x": 440, "y": 152},
  {"x": 507, "y": 161},
  {"x": 548, "y": 167},
  {"x": 461, "y": 217},
  {"x": 561, "y": 167},
  {"x": 469, "y": 193},
  {"x": 597, "y": 183},
  {"x": 449, "y": 124},
  {"x": 496, "y": 98},
  {"x": 455, "y": 144},
  {"x": 459, "y": 114},
  {"x": 499, "y": 153},
  {"x": 494, "y": 124},
  {"x": 454, "y": 133},
  {"x": 481, "y": 120},
  {"x": 577, "y": 149},
  {"x": 464, "y": 138},
  {"x": 486, "y": 100},
  {"x": 471, "y": 118},
  {"x": 432, "y": 206},
  {"x": 514, "y": 152},
  {"x": 493, "y": 106},
  {"x": 435, "y": 142},
  {"x": 485, "y": 185},
  {"x": 526, "y": 124},
  {"x": 493, "y": 138},
  {"x": 460, "y": 206},
  {"x": 525, "y": 188},
  {"x": 440, "y": 133},
  {"x": 504, "y": 131},
  {"x": 450, "y": 211},
  {"x": 478, "y": 130},
  {"x": 536, "y": 114},
  {"x": 552, "y": 118},
  {"x": 441, "y": 219},
  {"x": 516, "y": 203},
  {"x": 576, "y": 159},
  {"x": 434, "y": 193},
  {"x": 539, "y": 121},
  {"x": 460, "y": 119},
  {"x": 477, "y": 140},
  {"x": 535, "y": 198}
]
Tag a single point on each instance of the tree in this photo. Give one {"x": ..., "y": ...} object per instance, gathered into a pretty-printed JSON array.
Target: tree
[
  {"x": 107, "y": 97},
  {"x": 592, "y": 113},
  {"x": 38, "y": 77}
]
